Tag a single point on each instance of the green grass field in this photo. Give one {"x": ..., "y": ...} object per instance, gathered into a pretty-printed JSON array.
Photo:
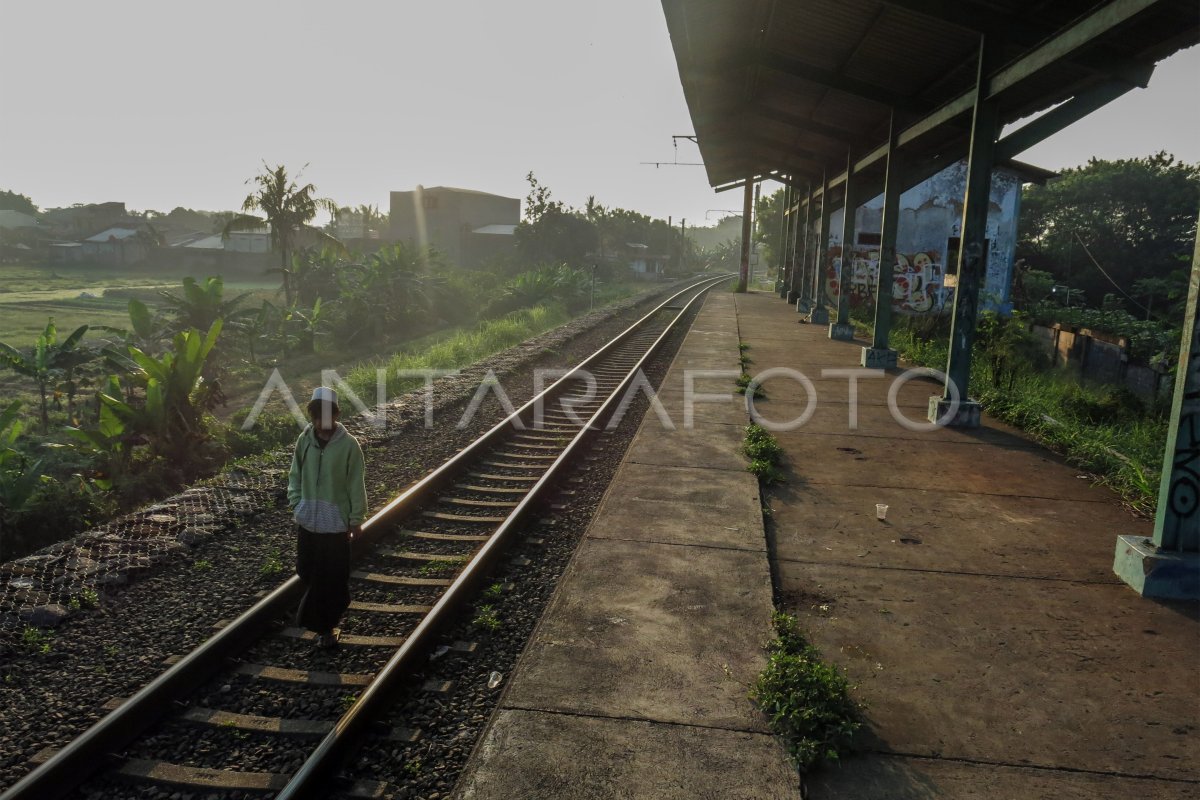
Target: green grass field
[
  {"x": 29, "y": 294},
  {"x": 32, "y": 294},
  {"x": 19, "y": 280}
]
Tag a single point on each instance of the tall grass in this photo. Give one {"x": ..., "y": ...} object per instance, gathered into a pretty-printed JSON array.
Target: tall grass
[
  {"x": 459, "y": 350},
  {"x": 1101, "y": 429}
]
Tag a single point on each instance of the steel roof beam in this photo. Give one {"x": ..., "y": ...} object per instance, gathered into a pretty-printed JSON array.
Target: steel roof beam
[
  {"x": 749, "y": 60},
  {"x": 806, "y": 126},
  {"x": 984, "y": 19},
  {"x": 779, "y": 62},
  {"x": 735, "y": 135},
  {"x": 1071, "y": 39},
  {"x": 752, "y": 159},
  {"x": 1084, "y": 31},
  {"x": 1061, "y": 116},
  {"x": 771, "y": 114}
]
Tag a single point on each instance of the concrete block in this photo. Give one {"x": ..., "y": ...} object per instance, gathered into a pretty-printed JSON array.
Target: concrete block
[
  {"x": 878, "y": 358},
  {"x": 1156, "y": 573},
  {"x": 969, "y": 414},
  {"x": 532, "y": 754},
  {"x": 803, "y": 305},
  {"x": 841, "y": 331},
  {"x": 819, "y": 316}
]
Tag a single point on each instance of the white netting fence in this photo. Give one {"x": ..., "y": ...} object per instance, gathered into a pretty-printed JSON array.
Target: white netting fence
[{"x": 42, "y": 589}]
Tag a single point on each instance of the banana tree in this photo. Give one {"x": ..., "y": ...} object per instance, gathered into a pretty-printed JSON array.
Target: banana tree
[
  {"x": 48, "y": 359},
  {"x": 301, "y": 327},
  {"x": 259, "y": 327},
  {"x": 110, "y": 440},
  {"x": 176, "y": 393},
  {"x": 145, "y": 331},
  {"x": 18, "y": 478},
  {"x": 10, "y": 429},
  {"x": 201, "y": 305}
]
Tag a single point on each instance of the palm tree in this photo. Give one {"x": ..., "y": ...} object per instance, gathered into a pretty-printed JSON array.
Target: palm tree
[
  {"x": 287, "y": 208},
  {"x": 367, "y": 217},
  {"x": 598, "y": 216}
]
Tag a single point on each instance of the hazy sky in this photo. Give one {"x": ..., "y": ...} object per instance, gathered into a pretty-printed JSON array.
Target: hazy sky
[{"x": 162, "y": 104}]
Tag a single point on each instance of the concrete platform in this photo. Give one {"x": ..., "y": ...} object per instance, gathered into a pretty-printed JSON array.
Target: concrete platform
[
  {"x": 635, "y": 683},
  {"x": 981, "y": 623},
  {"x": 600, "y": 758},
  {"x": 998, "y": 654}
]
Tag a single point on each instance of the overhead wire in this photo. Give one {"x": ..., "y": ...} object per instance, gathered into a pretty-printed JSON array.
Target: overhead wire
[{"x": 1106, "y": 275}]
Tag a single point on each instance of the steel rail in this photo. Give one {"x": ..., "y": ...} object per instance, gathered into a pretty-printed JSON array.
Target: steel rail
[
  {"x": 310, "y": 778},
  {"x": 92, "y": 749}
]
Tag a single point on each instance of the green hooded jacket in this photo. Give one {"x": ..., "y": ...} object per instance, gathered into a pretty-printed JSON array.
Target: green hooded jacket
[{"x": 326, "y": 487}]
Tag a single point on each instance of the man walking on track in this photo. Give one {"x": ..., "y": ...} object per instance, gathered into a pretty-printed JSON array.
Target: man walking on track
[{"x": 328, "y": 496}]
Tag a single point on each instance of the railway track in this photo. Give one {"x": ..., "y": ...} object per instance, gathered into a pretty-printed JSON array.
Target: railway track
[{"x": 422, "y": 558}]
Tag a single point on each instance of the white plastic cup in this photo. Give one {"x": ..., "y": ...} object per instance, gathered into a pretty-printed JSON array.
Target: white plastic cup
[{"x": 881, "y": 511}]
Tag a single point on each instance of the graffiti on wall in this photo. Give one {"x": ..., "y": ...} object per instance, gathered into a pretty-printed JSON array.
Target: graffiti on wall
[
  {"x": 1180, "y": 514},
  {"x": 918, "y": 280}
]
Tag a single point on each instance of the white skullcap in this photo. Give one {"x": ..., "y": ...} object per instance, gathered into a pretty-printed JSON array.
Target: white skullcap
[{"x": 324, "y": 394}]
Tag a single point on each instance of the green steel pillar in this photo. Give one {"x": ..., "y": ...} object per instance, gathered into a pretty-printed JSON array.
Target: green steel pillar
[
  {"x": 793, "y": 232},
  {"x": 879, "y": 355},
  {"x": 747, "y": 210},
  {"x": 843, "y": 329},
  {"x": 798, "y": 237},
  {"x": 784, "y": 223},
  {"x": 1168, "y": 565},
  {"x": 954, "y": 406},
  {"x": 819, "y": 315},
  {"x": 803, "y": 239}
]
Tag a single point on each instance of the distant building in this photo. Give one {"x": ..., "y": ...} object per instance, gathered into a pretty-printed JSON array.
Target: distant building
[
  {"x": 354, "y": 226},
  {"x": 19, "y": 233},
  {"x": 465, "y": 226},
  {"x": 199, "y": 240},
  {"x": 927, "y": 243},
  {"x": 80, "y": 221},
  {"x": 642, "y": 263},
  {"x": 116, "y": 246},
  {"x": 257, "y": 240},
  {"x": 10, "y": 220}
]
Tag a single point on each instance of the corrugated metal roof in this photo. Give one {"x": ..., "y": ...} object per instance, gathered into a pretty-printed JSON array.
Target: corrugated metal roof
[
  {"x": 790, "y": 85},
  {"x": 464, "y": 191},
  {"x": 213, "y": 241}
]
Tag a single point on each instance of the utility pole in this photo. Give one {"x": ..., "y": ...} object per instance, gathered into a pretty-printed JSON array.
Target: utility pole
[{"x": 682, "y": 242}]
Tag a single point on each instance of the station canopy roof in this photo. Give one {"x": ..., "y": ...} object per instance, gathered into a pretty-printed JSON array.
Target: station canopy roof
[{"x": 792, "y": 88}]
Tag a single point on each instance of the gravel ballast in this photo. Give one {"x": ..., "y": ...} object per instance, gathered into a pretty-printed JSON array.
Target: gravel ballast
[{"x": 53, "y": 688}]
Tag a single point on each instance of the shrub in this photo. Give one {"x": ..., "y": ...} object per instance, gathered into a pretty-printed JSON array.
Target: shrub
[
  {"x": 270, "y": 431},
  {"x": 760, "y": 444},
  {"x": 765, "y": 471},
  {"x": 56, "y": 511},
  {"x": 486, "y": 618},
  {"x": 807, "y": 702},
  {"x": 1101, "y": 405},
  {"x": 764, "y": 453}
]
